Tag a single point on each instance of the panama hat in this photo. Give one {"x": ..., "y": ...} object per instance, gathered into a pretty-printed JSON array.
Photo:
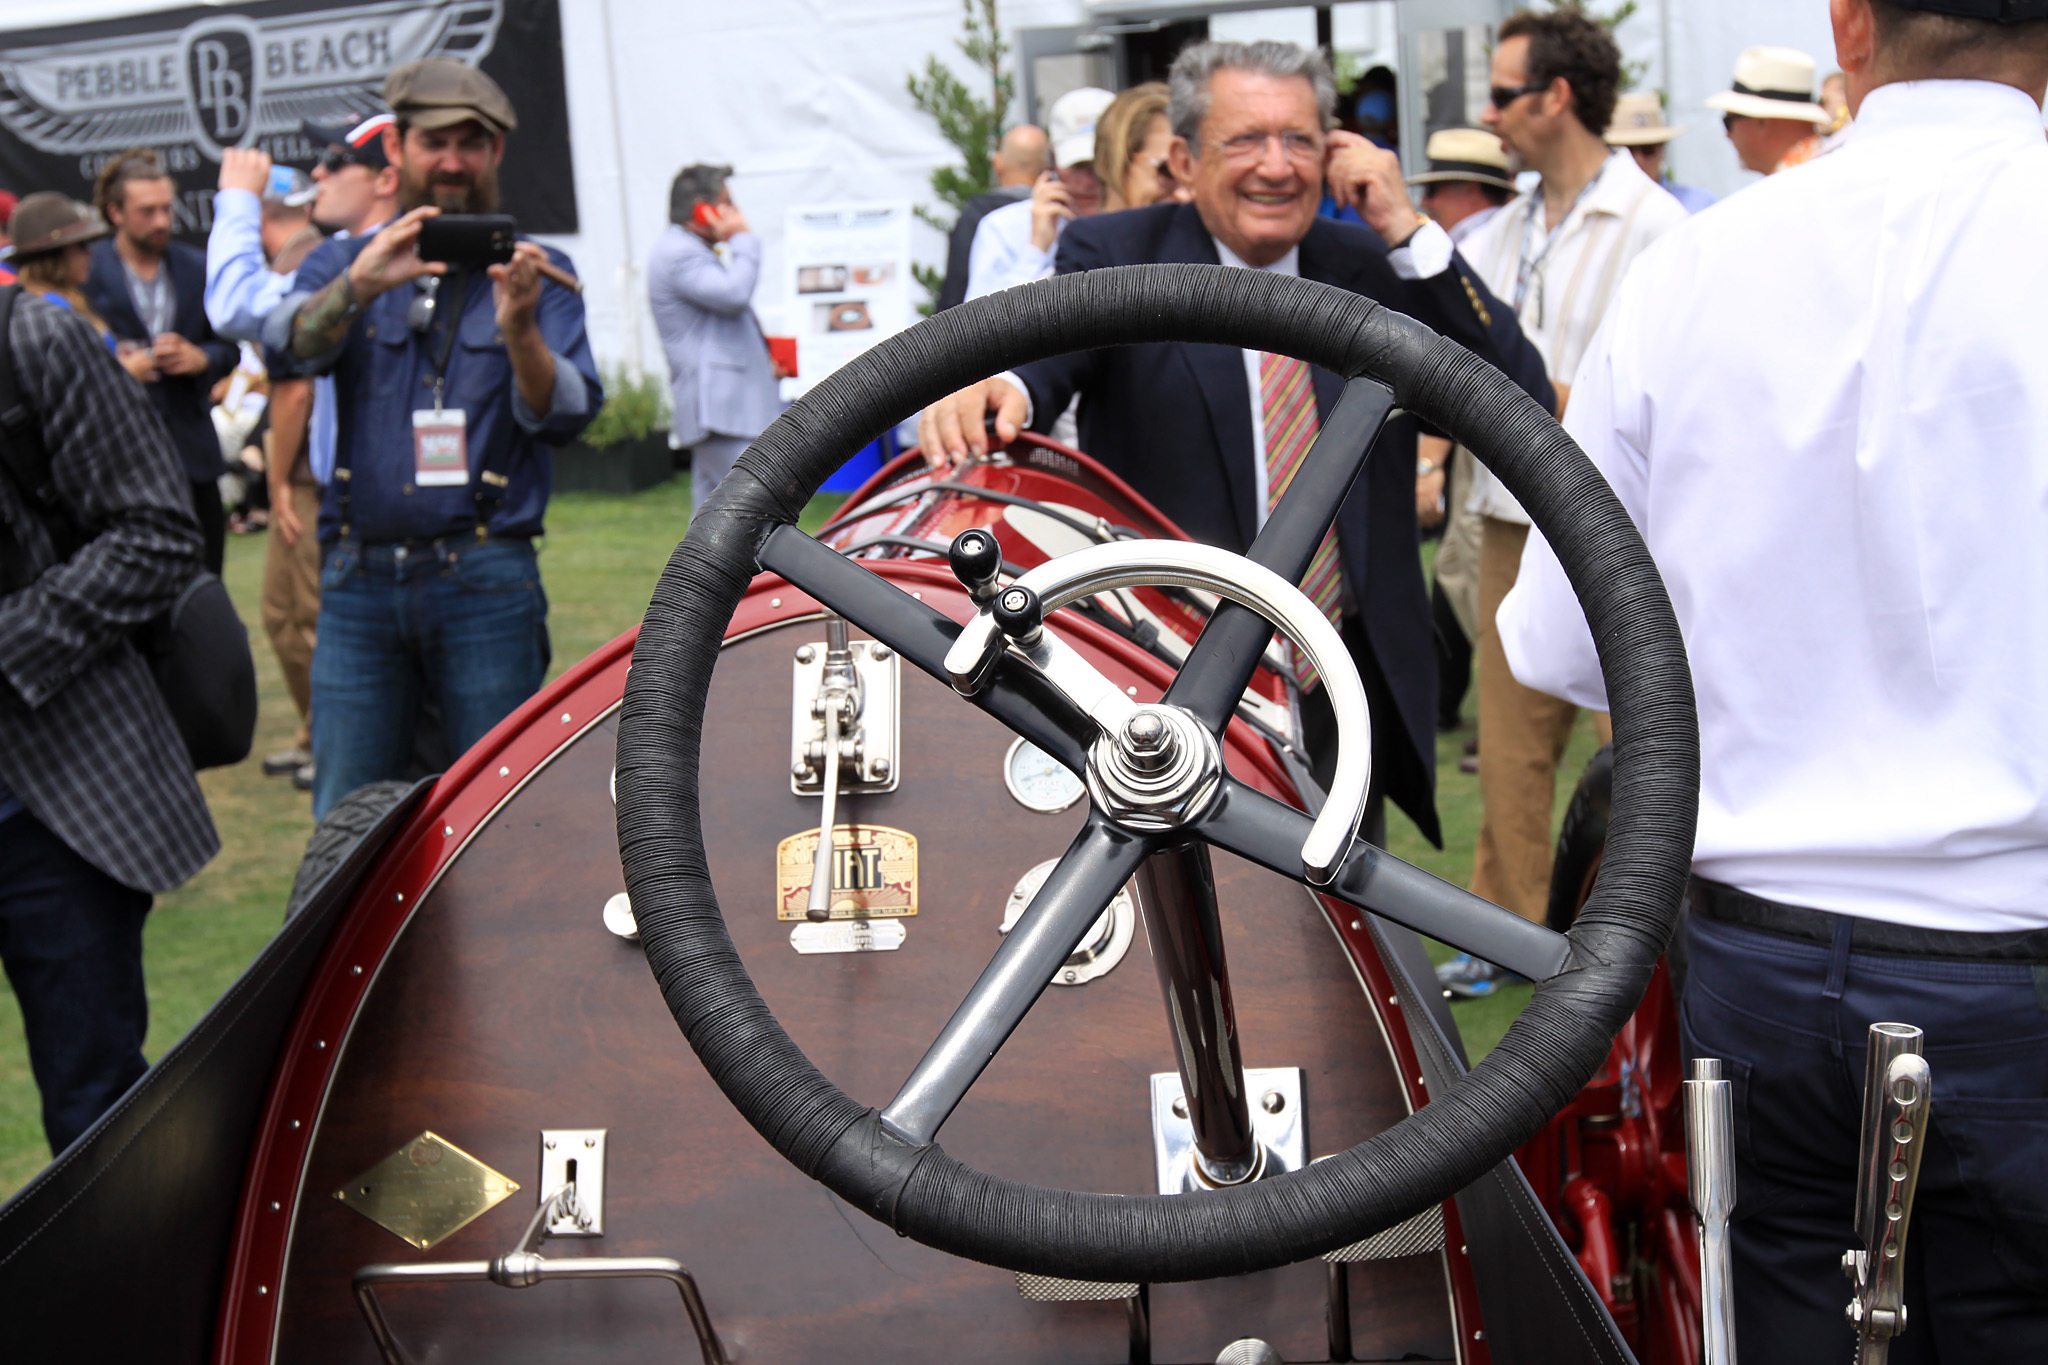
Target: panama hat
[
  {"x": 1465, "y": 154},
  {"x": 1772, "y": 82},
  {"x": 1639, "y": 122}
]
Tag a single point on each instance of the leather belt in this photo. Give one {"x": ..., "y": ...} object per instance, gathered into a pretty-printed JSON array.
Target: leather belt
[{"x": 1726, "y": 905}]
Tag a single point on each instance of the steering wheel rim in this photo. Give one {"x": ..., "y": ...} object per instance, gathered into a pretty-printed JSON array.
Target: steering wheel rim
[{"x": 916, "y": 1188}]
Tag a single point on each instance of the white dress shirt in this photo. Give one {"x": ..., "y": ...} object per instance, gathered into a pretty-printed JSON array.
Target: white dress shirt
[
  {"x": 1826, "y": 405},
  {"x": 1566, "y": 287},
  {"x": 1002, "y": 254}
]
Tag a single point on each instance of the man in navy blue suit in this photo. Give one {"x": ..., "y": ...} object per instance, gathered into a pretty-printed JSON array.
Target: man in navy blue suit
[
  {"x": 1188, "y": 425},
  {"x": 152, "y": 293}
]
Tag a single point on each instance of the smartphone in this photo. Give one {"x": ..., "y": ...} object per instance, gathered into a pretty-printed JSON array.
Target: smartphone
[
  {"x": 471, "y": 239},
  {"x": 703, "y": 215}
]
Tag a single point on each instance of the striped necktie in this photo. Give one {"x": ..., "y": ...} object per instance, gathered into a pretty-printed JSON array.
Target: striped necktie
[{"x": 1288, "y": 401}]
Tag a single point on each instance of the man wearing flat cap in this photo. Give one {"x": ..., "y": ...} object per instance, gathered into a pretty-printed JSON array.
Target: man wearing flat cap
[
  {"x": 1825, "y": 403},
  {"x": 450, "y": 385},
  {"x": 1769, "y": 111}
]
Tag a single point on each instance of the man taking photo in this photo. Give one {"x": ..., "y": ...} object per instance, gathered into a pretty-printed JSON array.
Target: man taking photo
[
  {"x": 152, "y": 293},
  {"x": 449, "y": 385}
]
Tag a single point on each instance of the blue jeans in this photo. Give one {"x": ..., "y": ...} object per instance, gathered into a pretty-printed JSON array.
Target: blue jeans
[
  {"x": 462, "y": 621},
  {"x": 1789, "y": 1020},
  {"x": 71, "y": 938}
]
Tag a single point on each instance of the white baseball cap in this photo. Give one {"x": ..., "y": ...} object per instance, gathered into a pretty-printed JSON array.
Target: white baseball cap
[
  {"x": 1071, "y": 123},
  {"x": 1772, "y": 82}
]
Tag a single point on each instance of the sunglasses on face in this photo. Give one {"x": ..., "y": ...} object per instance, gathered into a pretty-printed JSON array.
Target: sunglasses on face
[
  {"x": 1504, "y": 95},
  {"x": 334, "y": 158},
  {"x": 1728, "y": 122}
]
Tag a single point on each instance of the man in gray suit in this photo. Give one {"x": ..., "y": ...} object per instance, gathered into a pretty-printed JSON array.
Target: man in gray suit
[{"x": 721, "y": 377}]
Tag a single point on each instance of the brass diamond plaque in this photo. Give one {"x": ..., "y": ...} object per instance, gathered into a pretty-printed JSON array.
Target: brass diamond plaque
[{"x": 425, "y": 1190}]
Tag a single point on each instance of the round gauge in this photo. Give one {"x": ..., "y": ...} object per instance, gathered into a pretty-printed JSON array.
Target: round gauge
[{"x": 1037, "y": 780}]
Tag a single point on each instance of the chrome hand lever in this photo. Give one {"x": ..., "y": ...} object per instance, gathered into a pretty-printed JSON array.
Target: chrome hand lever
[
  {"x": 1897, "y": 1098},
  {"x": 1710, "y": 1166},
  {"x": 838, "y": 703},
  {"x": 1172, "y": 563}
]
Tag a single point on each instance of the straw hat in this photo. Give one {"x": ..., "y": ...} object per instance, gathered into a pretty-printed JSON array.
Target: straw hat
[
  {"x": 1772, "y": 82},
  {"x": 1465, "y": 154},
  {"x": 49, "y": 221},
  {"x": 1639, "y": 121}
]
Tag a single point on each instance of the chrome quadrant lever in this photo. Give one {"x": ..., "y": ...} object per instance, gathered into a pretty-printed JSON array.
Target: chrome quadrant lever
[
  {"x": 1897, "y": 1098},
  {"x": 1710, "y": 1168}
]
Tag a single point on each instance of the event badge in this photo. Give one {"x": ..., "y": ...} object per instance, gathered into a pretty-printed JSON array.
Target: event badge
[{"x": 440, "y": 447}]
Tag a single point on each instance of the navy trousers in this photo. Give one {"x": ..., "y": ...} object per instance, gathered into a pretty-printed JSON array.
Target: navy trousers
[
  {"x": 1789, "y": 1019},
  {"x": 71, "y": 939}
]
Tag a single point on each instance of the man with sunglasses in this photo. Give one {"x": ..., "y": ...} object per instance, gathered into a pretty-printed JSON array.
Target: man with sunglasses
[
  {"x": 1211, "y": 434},
  {"x": 450, "y": 383},
  {"x": 1556, "y": 254}
]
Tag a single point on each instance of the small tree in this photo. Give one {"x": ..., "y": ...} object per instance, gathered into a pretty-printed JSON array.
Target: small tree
[
  {"x": 1631, "y": 72},
  {"x": 969, "y": 122}
]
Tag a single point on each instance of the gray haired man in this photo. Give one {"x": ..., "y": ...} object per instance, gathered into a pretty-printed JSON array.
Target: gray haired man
[{"x": 700, "y": 282}]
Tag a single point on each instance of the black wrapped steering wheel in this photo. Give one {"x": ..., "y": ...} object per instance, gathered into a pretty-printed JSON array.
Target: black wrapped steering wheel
[{"x": 1588, "y": 981}]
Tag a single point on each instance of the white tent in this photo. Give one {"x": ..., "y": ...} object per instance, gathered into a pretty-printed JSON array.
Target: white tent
[{"x": 807, "y": 101}]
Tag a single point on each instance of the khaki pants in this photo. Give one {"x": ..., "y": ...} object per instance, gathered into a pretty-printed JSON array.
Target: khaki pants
[
  {"x": 291, "y": 603},
  {"x": 1522, "y": 735},
  {"x": 1457, "y": 558}
]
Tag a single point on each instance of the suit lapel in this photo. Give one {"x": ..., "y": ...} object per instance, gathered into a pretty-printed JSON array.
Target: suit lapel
[
  {"x": 1219, "y": 376},
  {"x": 114, "y": 303}
]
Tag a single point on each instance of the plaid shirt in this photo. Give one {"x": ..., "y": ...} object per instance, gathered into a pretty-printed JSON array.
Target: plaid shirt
[{"x": 86, "y": 744}]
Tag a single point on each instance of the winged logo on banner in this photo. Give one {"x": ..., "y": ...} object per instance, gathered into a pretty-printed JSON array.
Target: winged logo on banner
[{"x": 227, "y": 79}]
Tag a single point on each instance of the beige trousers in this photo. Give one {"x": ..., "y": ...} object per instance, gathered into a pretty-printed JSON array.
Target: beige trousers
[
  {"x": 291, "y": 603},
  {"x": 1457, "y": 558},
  {"x": 1522, "y": 735}
]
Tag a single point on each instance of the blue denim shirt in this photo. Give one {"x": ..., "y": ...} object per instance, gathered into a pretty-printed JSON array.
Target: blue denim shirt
[{"x": 383, "y": 372}]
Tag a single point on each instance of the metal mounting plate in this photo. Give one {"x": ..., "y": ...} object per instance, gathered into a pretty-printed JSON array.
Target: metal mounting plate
[
  {"x": 1100, "y": 949},
  {"x": 574, "y": 1154},
  {"x": 875, "y": 731},
  {"x": 1282, "y": 1129}
]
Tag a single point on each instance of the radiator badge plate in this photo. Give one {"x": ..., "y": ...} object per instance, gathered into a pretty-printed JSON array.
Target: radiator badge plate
[
  {"x": 874, "y": 873},
  {"x": 426, "y": 1190}
]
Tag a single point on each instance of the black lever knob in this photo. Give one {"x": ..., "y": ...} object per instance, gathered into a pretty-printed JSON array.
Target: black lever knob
[
  {"x": 976, "y": 560},
  {"x": 1018, "y": 614}
]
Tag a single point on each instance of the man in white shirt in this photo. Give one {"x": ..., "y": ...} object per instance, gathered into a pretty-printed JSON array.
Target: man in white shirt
[
  {"x": 1014, "y": 244},
  {"x": 1556, "y": 255},
  {"x": 1826, "y": 406},
  {"x": 1210, "y": 434}
]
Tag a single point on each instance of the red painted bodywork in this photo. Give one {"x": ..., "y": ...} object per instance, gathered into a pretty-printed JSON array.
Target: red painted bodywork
[{"x": 1606, "y": 1164}]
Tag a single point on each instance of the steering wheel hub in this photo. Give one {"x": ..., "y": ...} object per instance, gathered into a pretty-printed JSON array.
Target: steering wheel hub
[{"x": 1157, "y": 771}]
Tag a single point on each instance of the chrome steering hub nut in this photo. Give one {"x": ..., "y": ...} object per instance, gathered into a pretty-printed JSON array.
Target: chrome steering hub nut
[{"x": 1159, "y": 770}]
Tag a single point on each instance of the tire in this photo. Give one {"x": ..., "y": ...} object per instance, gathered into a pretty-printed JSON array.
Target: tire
[
  {"x": 340, "y": 830},
  {"x": 1582, "y": 841}
]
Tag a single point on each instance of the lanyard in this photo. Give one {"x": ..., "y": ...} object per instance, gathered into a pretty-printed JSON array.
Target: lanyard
[
  {"x": 451, "y": 323},
  {"x": 1529, "y": 268}
]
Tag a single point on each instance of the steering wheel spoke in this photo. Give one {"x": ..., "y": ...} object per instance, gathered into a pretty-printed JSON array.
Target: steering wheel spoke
[
  {"x": 1018, "y": 695},
  {"x": 1268, "y": 832},
  {"x": 1221, "y": 664},
  {"x": 1094, "y": 868}
]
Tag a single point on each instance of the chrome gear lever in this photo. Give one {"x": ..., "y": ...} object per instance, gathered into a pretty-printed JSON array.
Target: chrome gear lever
[
  {"x": 1897, "y": 1096},
  {"x": 1012, "y": 619}
]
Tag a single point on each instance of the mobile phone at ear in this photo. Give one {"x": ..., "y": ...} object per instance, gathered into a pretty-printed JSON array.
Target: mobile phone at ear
[
  {"x": 703, "y": 215},
  {"x": 469, "y": 239}
]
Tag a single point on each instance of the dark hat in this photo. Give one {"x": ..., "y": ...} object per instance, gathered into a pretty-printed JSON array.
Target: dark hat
[
  {"x": 1998, "y": 11},
  {"x": 360, "y": 145},
  {"x": 49, "y": 221},
  {"x": 439, "y": 93}
]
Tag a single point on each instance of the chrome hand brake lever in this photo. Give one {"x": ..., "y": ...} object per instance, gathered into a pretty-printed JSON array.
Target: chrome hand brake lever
[{"x": 1897, "y": 1098}]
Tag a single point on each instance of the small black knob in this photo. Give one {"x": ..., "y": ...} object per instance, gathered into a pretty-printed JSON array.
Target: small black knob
[
  {"x": 1018, "y": 613},
  {"x": 976, "y": 560}
]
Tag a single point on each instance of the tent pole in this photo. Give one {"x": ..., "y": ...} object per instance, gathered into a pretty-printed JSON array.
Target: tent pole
[{"x": 629, "y": 304}]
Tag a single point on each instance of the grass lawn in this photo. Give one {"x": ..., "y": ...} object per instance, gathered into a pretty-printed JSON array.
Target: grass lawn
[{"x": 601, "y": 559}]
